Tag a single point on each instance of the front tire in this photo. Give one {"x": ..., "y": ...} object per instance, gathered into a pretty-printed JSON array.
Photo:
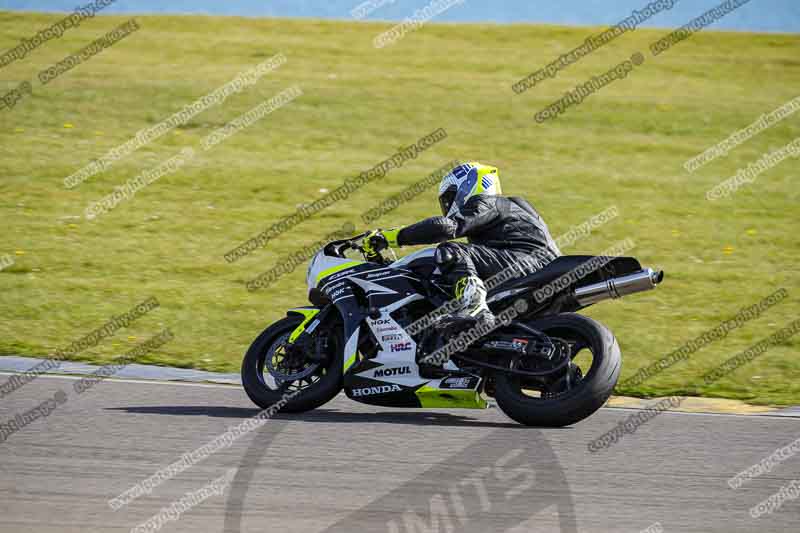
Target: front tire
[
  {"x": 314, "y": 391},
  {"x": 589, "y": 394}
]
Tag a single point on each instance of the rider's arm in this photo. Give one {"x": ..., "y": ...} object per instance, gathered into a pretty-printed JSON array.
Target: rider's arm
[
  {"x": 479, "y": 212},
  {"x": 429, "y": 231}
]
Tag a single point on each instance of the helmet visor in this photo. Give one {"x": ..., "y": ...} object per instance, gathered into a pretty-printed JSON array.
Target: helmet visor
[
  {"x": 465, "y": 189},
  {"x": 446, "y": 199}
]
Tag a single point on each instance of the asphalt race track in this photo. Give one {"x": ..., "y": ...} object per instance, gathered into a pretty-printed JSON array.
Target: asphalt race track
[{"x": 351, "y": 467}]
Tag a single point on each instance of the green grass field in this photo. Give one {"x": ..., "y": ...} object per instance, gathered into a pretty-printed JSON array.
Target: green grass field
[{"x": 623, "y": 146}]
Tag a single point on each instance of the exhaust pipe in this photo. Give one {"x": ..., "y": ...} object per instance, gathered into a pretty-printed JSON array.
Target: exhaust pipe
[{"x": 644, "y": 280}]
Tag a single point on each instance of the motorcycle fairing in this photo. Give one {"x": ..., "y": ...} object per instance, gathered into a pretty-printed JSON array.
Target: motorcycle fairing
[
  {"x": 391, "y": 377},
  {"x": 309, "y": 313}
]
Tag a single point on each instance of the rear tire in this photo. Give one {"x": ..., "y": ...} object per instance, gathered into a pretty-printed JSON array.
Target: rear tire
[
  {"x": 314, "y": 395},
  {"x": 589, "y": 394}
]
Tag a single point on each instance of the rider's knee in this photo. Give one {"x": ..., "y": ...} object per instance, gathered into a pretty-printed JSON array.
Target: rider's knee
[{"x": 447, "y": 256}]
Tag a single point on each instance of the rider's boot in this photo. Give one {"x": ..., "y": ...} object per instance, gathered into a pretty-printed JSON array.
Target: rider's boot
[{"x": 471, "y": 310}]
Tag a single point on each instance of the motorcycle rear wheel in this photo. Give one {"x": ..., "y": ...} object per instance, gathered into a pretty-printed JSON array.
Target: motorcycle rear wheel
[{"x": 575, "y": 402}]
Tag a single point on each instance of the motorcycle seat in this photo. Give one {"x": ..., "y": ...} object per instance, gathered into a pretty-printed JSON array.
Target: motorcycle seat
[{"x": 563, "y": 265}]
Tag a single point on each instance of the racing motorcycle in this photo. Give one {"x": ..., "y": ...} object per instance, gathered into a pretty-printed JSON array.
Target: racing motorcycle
[{"x": 546, "y": 366}]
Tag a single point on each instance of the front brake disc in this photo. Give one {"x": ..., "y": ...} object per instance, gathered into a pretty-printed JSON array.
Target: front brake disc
[{"x": 278, "y": 371}]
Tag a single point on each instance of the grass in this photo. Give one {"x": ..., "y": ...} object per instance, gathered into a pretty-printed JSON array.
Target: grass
[{"x": 623, "y": 146}]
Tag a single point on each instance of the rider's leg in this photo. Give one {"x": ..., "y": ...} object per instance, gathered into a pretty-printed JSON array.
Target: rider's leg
[
  {"x": 464, "y": 266},
  {"x": 458, "y": 270}
]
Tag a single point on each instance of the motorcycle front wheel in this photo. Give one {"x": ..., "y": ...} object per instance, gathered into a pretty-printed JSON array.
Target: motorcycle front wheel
[{"x": 306, "y": 387}]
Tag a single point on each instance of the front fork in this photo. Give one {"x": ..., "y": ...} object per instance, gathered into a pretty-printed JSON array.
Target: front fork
[
  {"x": 302, "y": 341},
  {"x": 302, "y": 336}
]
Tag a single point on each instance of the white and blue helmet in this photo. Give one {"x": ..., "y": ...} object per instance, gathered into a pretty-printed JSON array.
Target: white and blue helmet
[{"x": 464, "y": 182}]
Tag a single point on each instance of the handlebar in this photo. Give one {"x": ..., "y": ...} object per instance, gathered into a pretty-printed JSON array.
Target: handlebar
[{"x": 337, "y": 249}]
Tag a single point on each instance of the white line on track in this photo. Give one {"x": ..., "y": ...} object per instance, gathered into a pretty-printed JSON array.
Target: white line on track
[
  {"x": 143, "y": 381},
  {"x": 224, "y": 386}
]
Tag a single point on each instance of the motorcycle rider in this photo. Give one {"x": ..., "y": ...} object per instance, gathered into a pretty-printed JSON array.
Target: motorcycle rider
[{"x": 501, "y": 232}]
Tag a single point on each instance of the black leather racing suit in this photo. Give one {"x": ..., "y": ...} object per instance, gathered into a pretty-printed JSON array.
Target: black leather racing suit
[{"x": 500, "y": 230}]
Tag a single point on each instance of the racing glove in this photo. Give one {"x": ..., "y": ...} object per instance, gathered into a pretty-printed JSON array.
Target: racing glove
[{"x": 380, "y": 239}]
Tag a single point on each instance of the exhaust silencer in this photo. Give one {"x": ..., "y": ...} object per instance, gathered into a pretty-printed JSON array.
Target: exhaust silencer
[{"x": 644, "y": 280}]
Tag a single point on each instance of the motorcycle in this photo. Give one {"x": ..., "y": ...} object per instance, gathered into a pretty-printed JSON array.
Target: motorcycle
[{"x": 371, "y": 330}]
